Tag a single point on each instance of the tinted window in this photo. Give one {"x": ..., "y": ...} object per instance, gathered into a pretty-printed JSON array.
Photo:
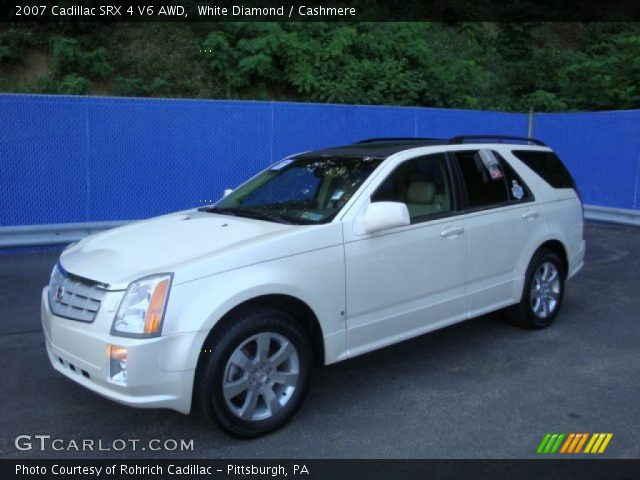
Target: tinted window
[
  {"x": 548, "y": 166},
  {"x": 422, "y": 184},
  {"x": 294, "y": 184},
  {"x": 300, "y": 190},
  {"x": 483, "y": 176},
  {"x": 517, "y": 190}
]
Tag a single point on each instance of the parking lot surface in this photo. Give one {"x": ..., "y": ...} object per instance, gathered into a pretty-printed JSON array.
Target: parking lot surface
[{"x": 480, "y": 389}]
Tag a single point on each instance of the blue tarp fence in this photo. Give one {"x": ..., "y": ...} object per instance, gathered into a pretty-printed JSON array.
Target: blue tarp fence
[{"x": 82, "y": 159}]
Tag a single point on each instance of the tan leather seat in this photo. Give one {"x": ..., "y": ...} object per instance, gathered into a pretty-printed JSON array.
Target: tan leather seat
[{"x": 422, "y": 199}]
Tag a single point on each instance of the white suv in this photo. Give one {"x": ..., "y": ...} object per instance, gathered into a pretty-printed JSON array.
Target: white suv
[{"x": 321, "y": 257}]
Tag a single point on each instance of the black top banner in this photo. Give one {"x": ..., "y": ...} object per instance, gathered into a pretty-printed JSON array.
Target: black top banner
[
  {"x": 316, "y": 10},
  {"x": 322, "y": 469}
]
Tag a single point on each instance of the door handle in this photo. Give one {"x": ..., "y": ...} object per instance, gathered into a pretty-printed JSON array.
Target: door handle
[
  {"x": 530, "y": 215},
  {"x": 452, "y": 232}
]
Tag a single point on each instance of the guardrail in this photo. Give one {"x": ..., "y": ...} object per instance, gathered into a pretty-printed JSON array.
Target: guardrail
[
  {"x": 620, "y": 216},
  {"x": 31, "y": 235}
]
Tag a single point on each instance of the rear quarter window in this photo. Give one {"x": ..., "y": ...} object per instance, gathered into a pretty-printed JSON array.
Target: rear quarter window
[{"x": 548, "y": 166}]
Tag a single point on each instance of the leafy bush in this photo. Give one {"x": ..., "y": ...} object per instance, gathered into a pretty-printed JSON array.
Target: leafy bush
[
  {"x": 504, "y": 66},
  {"x": 74, "y": 84},
  {"x": 11, "y": 46},
  {"x": 70, "y": 57}
]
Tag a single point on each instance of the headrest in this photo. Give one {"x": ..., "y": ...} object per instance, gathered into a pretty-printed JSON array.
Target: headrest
[{"x": 421, "y": 192}]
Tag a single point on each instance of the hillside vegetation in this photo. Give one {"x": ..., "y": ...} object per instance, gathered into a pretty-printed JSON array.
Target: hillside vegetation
[{"x": 502, "y": 66}]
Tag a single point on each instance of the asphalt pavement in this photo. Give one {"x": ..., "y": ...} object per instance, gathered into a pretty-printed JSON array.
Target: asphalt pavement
[{"x": 480, "y": 389}]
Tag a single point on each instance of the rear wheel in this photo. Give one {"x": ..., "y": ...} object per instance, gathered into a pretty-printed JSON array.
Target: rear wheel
[
  {"x": 256, "y": 372},
  {"x": 543, "y": 292}
]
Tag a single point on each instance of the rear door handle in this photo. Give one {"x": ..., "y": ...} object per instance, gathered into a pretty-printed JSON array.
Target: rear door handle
[
  {"x": 452, "y": 232},
  {"x": 530, "y": 215}
]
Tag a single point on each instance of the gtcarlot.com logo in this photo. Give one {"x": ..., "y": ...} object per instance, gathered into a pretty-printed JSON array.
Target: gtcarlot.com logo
[
  {"x": 45, "y": 442},
  {"x": 574, "y": 443}
]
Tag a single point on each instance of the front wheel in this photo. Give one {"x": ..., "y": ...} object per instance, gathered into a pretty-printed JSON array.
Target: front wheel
[
  {"x": 256, "y": 372},
  {"x": 543, "y": 292}
]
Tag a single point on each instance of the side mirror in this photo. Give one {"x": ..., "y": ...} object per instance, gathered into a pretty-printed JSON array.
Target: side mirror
[
  {"x": 385, "y": 215},
  {"x": 226, "y": 192}
]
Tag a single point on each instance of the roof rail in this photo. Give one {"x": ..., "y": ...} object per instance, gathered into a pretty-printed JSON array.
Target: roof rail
[
  {"x": 400, "y": 139},
  {"x": 466, "y": 138}
]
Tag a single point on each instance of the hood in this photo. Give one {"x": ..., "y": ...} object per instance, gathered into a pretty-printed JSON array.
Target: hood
[{"x": 162, "y": 244}]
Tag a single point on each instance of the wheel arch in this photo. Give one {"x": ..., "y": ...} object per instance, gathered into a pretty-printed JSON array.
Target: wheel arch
[
  {"x": 298, "y": 309},
  {"x": 516, "y": 312},
  {"x": 552, "y": 244},
  {"x": 557, "y": 247}
]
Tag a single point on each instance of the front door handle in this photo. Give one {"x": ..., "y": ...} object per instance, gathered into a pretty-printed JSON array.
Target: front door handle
[
  {"x": 530, "y": 215},
  {"x": 452, "y": 232}
]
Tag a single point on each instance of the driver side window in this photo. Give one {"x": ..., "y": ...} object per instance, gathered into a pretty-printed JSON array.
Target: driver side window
[{"x": 423, "y": 184}]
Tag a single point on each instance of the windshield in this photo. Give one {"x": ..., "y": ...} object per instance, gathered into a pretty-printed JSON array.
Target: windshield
[{"x": 299, "y": 191}]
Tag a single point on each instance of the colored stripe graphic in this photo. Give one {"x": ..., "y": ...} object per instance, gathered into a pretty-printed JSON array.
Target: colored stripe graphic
[
  {"x": 573, "y": 443},
  {"x": 605, "y": 443},
  {"x": 543, "y": 443},
  {"x": 591, "y": 442},
  {"x": 581, "y": 442},
  {"x": 567, "y": 443},
  {"x": 550, "y": 443},
  {"x": 577, "y": 438},
  {"x": 556, "y": 446},
  {"x": 598, "y": 442}
]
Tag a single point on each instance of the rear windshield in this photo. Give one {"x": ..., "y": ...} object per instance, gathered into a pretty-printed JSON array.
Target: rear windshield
[{"x": 548, "y": 166}]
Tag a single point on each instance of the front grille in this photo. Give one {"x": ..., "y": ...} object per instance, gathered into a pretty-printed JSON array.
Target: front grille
[{"x": 73, "y": 297}]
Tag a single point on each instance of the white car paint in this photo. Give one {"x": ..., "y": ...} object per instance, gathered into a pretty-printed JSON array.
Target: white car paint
[{"x": 367, "y": 290}]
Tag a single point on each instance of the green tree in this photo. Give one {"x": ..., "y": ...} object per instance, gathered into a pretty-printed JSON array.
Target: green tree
[{"x": 510, "y": 65}]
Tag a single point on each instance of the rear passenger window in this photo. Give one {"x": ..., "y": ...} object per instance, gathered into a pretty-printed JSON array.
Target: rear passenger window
[
  {"x": 483, "y": 178},
  {"x": 490, "y": 180},
  {"x": 548, "y": 166}
]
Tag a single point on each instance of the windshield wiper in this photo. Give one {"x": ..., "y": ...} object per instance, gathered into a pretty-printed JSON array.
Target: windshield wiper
[
  {"x": 223, "y": 211},
  {"x": 256, "y": 214}
]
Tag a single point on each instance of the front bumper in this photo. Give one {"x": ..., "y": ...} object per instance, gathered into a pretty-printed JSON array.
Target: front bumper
[{"x": 156, "y": 375}]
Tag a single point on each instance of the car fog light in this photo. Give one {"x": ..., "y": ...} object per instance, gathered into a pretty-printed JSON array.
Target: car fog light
[{"x": 117, "y": 364}]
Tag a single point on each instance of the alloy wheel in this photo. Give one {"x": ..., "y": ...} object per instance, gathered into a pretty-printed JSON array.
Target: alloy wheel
[
  {"x": 545, "y": 290},
  {"x": 261, "y": 376}
]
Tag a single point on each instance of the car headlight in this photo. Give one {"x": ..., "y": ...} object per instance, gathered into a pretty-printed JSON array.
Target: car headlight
[
  {"x": 56, "y": 277},
  {"x": 141, "y": 311},
  {"x": 56, "y": 282}
]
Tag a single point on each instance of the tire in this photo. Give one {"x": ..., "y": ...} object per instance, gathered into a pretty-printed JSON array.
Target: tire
[
  {"x": 542, "y": 294},
  {"x": 255, "y": 372}
]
